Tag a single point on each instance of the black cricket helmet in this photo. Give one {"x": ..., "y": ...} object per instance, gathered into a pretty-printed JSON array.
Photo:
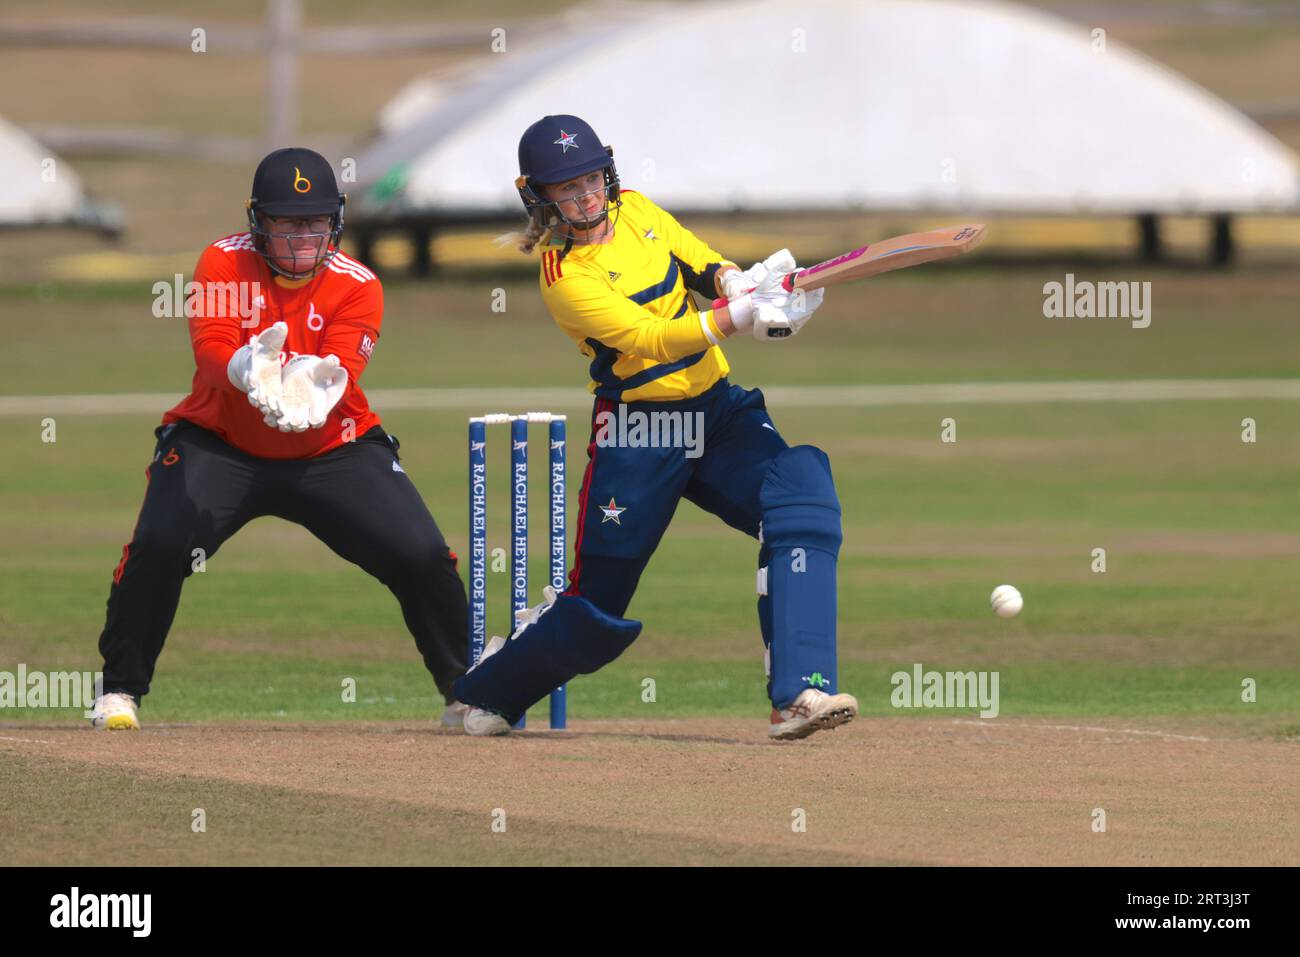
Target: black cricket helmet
[{"x": 296, "y": 183}]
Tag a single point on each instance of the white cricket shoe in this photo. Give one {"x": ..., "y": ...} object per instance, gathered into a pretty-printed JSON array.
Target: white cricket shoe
[
  {"x": 812, "y": 711},
  {"x": 482, "y": 723},
  {"x": 479, "y": 721},
  {"x": 115, "y": 712},
  {"x": 453, "y": 716}
]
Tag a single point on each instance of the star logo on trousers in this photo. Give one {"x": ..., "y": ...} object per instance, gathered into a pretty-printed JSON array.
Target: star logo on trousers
[{"x": 612, "y": 512}]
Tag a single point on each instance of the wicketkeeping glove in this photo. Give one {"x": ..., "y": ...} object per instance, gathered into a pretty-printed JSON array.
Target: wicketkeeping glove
[
  {"x": 255, "y": 368},
  {"x": 310, "y": 388}
]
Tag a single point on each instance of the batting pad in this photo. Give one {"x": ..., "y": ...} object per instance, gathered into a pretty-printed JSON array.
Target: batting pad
[
  {"x": 801, "y": 545},
  {"x": 572, "y": 637}
]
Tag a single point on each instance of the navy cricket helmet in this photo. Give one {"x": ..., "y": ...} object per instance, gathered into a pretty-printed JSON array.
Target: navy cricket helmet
[{"x": 557, "y": 149}]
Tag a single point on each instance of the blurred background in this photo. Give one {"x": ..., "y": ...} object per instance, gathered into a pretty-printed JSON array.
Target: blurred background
[
  {"x": 1132, "y": 142},
  {"x": 1165, "y": 120}
]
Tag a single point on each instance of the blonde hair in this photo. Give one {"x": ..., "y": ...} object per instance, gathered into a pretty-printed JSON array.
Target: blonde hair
[{"x": 527, "y": 239}]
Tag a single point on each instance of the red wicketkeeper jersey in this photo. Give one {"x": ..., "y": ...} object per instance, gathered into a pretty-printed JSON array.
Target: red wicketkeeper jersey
[{"x": 337, "y": 312}]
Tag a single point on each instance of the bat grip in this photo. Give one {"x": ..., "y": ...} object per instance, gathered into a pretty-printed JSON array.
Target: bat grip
[{"x": 788, "y": 282}]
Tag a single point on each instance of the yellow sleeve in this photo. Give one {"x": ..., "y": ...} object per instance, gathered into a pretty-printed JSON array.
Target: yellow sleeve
[
  {"x": 585, "y": 307},
  {"x": 700, "y": 259}
]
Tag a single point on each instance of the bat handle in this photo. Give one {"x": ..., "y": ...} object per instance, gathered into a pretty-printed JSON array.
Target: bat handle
[{"x": 788, "y": 282}]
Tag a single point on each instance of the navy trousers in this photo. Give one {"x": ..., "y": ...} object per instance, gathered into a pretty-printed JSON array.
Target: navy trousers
[{"x": 629, "y": 493}]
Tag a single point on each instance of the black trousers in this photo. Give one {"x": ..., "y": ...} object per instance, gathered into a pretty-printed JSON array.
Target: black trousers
[{"x": 202, "y": 490}]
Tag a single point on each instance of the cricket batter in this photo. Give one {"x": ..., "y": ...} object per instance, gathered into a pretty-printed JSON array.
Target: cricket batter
[
  {"x": 283, "y": 324},
  {"x": 616, "y": 275}
]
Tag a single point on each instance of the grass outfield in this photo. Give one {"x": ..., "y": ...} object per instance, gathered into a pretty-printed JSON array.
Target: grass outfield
[
  {"x": 955, "y": 323},
  {"x": 1202, "y": 532}
]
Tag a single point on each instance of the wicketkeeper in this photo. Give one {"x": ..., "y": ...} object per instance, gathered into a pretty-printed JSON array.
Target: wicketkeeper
[{"x": 283, "y": 325}]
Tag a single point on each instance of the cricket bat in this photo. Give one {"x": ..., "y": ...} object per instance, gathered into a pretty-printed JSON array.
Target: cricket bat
[{"x": 887, "y": 255}]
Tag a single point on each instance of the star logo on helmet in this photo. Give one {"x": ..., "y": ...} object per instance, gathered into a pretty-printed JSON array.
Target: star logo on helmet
[{"x": 566, "y": 141}]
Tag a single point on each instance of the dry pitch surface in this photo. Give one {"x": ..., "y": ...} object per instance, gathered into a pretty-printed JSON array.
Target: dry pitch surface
[{"x": 878, "y": 791}]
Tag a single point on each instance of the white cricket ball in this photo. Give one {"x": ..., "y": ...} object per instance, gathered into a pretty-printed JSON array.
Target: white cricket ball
[{"x": 1006, "y": 601}]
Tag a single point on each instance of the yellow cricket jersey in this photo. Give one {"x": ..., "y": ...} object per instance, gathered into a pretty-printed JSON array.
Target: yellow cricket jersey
[{"x": 628, "y": 306}]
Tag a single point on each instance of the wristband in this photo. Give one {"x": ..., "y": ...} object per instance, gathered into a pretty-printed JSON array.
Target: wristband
[{"x": 707, "y": 328}]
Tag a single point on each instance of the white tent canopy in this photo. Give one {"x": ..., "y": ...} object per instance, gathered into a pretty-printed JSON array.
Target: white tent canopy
[
  {"x": 834, "y": 104},
  {"x": 39, "y": 188}
]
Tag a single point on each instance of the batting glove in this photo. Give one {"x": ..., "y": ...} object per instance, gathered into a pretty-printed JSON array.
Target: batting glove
[
  {"x": 736, "y": 283},
  {"x": 769, "y": 312},
  {"x": 255, "y": 368},
  {"x": 783, "y": 315},
  {"x": 736, "y": 287}
]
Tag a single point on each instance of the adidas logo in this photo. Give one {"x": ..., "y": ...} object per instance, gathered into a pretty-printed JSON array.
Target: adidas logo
[{"x": 615, "y": 276}]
